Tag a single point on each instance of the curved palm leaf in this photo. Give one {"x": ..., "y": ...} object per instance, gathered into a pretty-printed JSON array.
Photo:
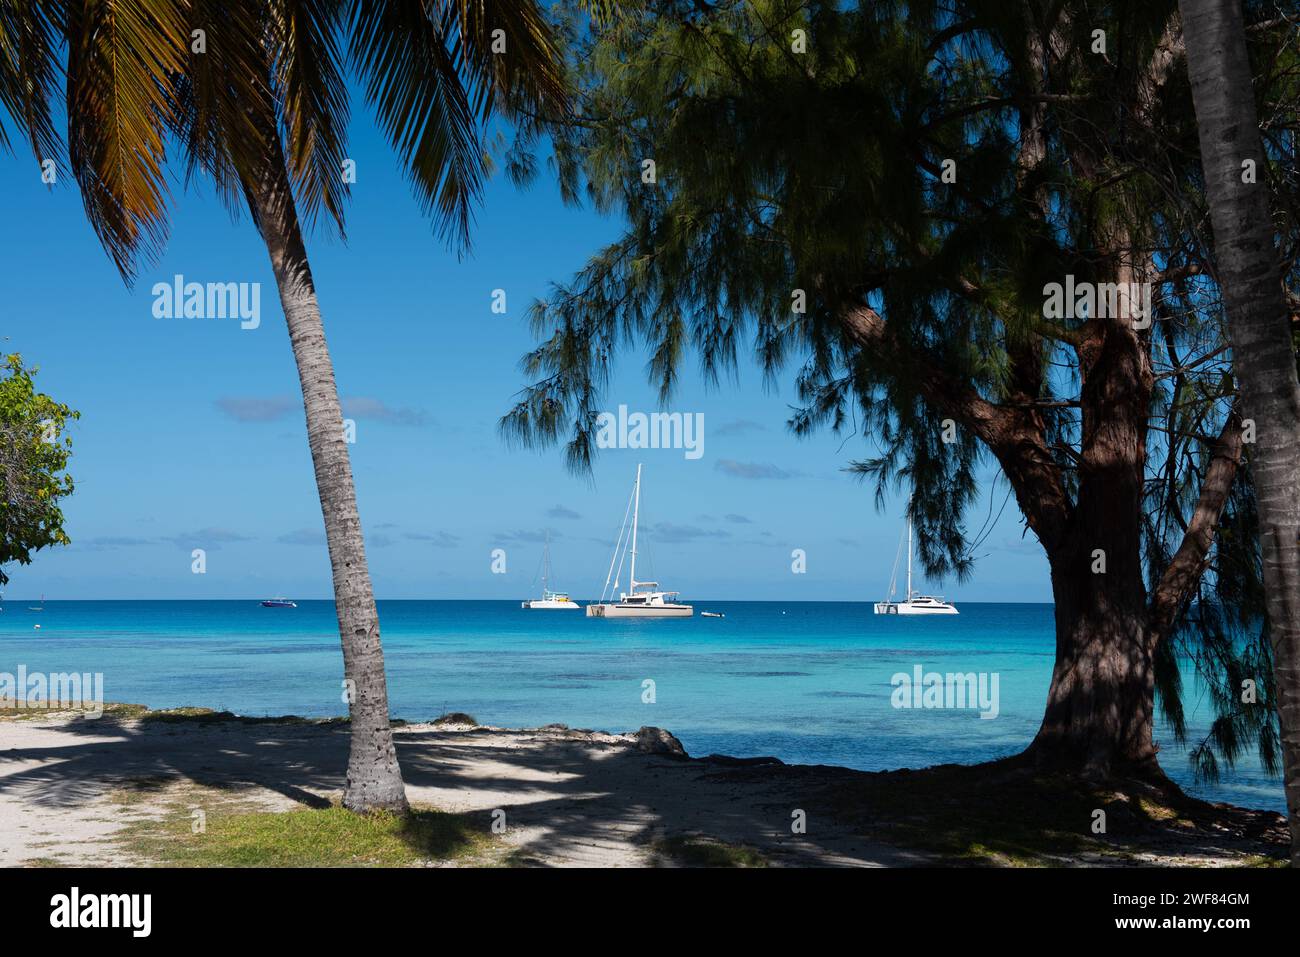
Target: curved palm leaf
[
  {"x": 29, "y": 72},
  {"x": 436, "y": 70},
  {"x": 413, "y": 81},
  {"x": 510, "y": 55},
  {"x": 223, "y": 96},
  {"x": 313, "y": 99},
  {"x": 120, "y": 58}
]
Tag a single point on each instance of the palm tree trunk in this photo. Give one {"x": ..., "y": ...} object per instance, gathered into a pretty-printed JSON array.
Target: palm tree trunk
[
  {"x": 1263, "y": 358},
  {"x": 374, "y": 779}
]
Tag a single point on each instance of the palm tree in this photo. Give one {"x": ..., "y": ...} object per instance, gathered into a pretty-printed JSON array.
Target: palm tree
[
  {"x": 1263, "y": 357},
  {"x": 255, "y": 94}
]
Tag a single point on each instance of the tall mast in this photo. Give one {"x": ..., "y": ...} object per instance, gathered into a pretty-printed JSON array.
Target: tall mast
[
  {"x": 636, "y": 510},
  {"x": 546, "y": 561},
  {"x": 909, "y": 556}
]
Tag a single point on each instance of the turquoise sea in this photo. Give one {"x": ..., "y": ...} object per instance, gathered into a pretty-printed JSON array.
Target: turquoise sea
[{"x": 808, "y": 682}]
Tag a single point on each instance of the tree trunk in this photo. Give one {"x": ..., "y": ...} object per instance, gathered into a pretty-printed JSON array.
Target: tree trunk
[
  {"x": 1263, "y": 358},
  {"x": 374, "y": 779},
  {"x": 1100, "y": 703},
  {"x": 1098, "y": 718},
  {"x": 1101, "y": 699}
]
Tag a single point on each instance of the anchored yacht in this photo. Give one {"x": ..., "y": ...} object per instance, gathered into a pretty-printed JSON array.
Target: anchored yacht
[
  {"x": 914, "y": 604},
  {"x": 550, "y": 600},
  {"x": 643, "y": 599}
]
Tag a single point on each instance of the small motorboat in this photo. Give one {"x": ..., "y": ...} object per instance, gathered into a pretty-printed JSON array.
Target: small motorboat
[
  {"x": 279, "y": 603},
  {"x": 712, "y": 614}
]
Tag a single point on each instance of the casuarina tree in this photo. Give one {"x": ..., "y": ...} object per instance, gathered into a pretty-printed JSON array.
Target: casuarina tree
[{"x": 976, "y": 232}]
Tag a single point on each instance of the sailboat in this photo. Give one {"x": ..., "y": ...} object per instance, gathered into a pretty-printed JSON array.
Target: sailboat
[
  {"x": 40, "y": 607},
  {"x": 914, "y": 604},
  {"x": 550, "y": 599},
  {"x": 643, "y": 599}
]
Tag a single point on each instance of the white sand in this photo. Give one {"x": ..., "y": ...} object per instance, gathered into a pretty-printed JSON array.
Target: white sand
[{"x": 570, "y": 799}]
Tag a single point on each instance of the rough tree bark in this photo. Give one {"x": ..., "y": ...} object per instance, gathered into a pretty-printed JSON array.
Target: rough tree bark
[
  {"x": 374, "y": 779},
  {"x": 1257, "y": 314}
]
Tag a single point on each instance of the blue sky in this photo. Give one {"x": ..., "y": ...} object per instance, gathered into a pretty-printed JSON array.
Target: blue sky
[{"x": 192, "y": 434}]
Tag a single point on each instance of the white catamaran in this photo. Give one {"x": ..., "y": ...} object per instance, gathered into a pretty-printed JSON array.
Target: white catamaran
[
  {"x": 552, "y": 600},
  {"x": 642, "y": 600},
  {"x": 914, "y": 604}
]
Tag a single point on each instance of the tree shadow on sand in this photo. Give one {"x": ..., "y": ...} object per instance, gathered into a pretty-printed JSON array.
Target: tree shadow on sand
[{"x": 571, "y": 800}]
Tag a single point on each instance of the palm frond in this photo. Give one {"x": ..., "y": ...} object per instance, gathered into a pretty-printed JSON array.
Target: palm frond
[
  {"x": 510, "y": 56},
  {"x": 313, "y": 98},
  {"x": 401, "y": 49},
  {"x": 120, "y": 58},
  {"x": 223, "y": 104},
  {"x": 29, "y": 73}
]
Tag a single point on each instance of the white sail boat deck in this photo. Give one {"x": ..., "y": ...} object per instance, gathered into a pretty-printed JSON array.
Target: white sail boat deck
[
  {"x": 643, "y": 599},
  {"x": 550, "y": 600},
  {"x": 914, "y": 604}
]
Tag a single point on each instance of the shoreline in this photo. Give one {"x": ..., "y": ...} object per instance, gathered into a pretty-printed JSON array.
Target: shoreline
[{"x": 78, "y": 791}]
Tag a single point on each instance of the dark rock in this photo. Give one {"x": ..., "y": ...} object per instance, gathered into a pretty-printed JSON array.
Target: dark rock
[
  {"x": 658, "y": 741},
  {"x": 733, "y": 762}
]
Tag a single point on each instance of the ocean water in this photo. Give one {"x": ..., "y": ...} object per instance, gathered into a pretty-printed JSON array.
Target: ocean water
[{"x": 808, "y": 682}]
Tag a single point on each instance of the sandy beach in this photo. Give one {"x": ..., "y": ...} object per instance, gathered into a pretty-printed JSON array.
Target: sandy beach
[
  {"x": 69, "y": 787},
  {"x": 570, "y": 798}
]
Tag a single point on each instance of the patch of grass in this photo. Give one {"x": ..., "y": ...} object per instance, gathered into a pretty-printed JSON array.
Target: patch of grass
[
  {"x": 520, "y": 857},
  {"x": 456, "y": 717},
  {"x": 689, "y": 851},
  {"x": 967, "y": 819},
  {"x": 209, "y": 716},
  {"x": 41, "y": 862},
  {"x": 120, "y": 711},
  {"x": 9, "y": 712},
  {"x": 234, "y": 836},
  {"x": 139, "y": 790},
  {"x": 1007, "y": 814}
]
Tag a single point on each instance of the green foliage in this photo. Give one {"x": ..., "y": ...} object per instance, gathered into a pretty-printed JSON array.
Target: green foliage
[
  {"x": 778, "y": 172},
  {"x": 34, "y": 452},
  {"x": 820, "y": 170}
]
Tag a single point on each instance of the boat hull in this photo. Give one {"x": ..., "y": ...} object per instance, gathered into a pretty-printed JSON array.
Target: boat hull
[
  {"x": 547, "y": 604},
  {"x": 902, "y": 608},
  {"x": 611, "y": 610}
]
